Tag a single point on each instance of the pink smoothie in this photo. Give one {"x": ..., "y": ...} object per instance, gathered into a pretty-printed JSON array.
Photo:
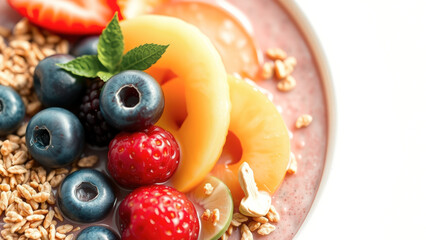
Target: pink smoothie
[{"x": 273, "y": 26}]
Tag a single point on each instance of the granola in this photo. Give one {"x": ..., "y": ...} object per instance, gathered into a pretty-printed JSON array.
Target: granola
[{"x": 27, "y": 201}]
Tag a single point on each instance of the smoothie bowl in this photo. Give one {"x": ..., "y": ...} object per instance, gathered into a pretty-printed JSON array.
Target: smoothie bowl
[{"x": 139, "y": 119}]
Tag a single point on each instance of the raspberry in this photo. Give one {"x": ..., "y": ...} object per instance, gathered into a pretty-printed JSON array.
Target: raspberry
[
  {"x": 142, "y": 158},
  {"x": 98, "y": 132}
]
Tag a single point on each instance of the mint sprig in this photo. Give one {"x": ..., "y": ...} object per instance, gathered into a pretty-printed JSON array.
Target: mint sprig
[
  {"x": 142, "y": 57},
  {"x": 110, "y": 59},
  {"x": 85, "y": 66},
  {"x": 111, "y": 46}
]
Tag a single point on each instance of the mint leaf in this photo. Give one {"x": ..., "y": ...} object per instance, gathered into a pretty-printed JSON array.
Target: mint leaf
[
  {"x": 110, "y": 59},
  {"x": 142, "y": 57},
  {"x": 111, "y": 45},
  {"x": 105, "y": 76},
  {"x": 85, "y": 66}
]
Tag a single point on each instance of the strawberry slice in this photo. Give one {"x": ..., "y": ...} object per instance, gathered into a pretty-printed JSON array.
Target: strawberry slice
[{"x": 68, "y": 16}]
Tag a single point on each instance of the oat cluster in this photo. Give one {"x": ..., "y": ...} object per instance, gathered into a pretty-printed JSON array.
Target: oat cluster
[
  {"x": 27, "y": 201},
  {"x": 20, "y": 51},
  {"x": 27, "y": 196},
  {"x": 303, "y": 121},
  {"x": 280, "y": 66},
  {"x": 249, "y": 226}
]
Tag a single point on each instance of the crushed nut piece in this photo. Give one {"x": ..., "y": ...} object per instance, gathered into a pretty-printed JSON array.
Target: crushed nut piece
[
  {"x": 225, "y": 236},
  {"x": 235, "y": 223},
  {"x": 265, "y": 229},
  {"x": 64, "y": 229},
  {"x": 48, "y": 220},
  {"x": 280, "y": 69},
  {"x": 261, "y": 219},
  {"x": 70, "y": 237},
  {"x": 253, "y": 225},
  {"x": 245, "y": 233},
  {"x": 32, "y": 233},
  {"x": 276, "y": 53},
  {"x": 303, "y": 120},
  {"x": 273, "y": 215},
  {"x": 238, "y": 217},
  {"x": 58, "y": 214},
  {"x": 290, "y": 61},
  {"x": 230, "y": 230},
  {"x": 287, "y": 84},
  {"x": 57, "y": 180},
  {"x": 35, "y": 217},
  {"x": 267, "y": 70},
  {"x": 88, "y": 161},
  {"x": 208, "y": 189}
]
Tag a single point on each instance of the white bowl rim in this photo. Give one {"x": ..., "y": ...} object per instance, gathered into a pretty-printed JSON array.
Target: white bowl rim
[{"x": 322, "y": 66}]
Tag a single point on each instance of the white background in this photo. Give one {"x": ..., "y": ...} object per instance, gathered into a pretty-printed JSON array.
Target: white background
[{"x": 376, "y": 51}]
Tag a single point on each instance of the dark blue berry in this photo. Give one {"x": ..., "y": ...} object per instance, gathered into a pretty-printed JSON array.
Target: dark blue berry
[
  {"x": 97, "y": 233},
  {"x": 86, "y": 196},
  {"x": 87, "y": 46},
  {"x": 54, "y": 86},
  {"x": 132, "y": 101},
  {"x": 12, "y": 110},
  {"x": 55, "y": 137}
]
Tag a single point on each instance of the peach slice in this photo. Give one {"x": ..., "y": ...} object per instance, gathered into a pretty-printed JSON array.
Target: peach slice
[
  {"x": 257, "y": 135},
  {"x": 228, "y": 34},
  {"x": 193, "y": 59},
  {"x": 263, "y": 140},
  {"x": 134, "y": 8}
]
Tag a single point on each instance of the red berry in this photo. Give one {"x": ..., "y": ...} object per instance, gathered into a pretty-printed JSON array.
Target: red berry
[
  {"x": 143, "y": 158},
  {"x": 158, "y": 212}
]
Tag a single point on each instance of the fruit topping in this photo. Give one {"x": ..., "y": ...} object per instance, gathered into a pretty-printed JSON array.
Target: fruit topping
[
  {"x": 197, "y": 64},
  {"x": 86, "y": 196},
  {"x": 142, "y": 158},
  {"x": 97, "y": 233},
  {"x": 158, "y": 213},
  {"x": 217, "y": 207},
  {"x": 98, "y": 131},
  {"x": 110, "y": 60},
  {"x": 132, "y": 101},
  {"x": 69, "y": 17},
  {"x": 255, "y": 203},
  {"x": 231, "y": 38},
  {"x": 55, "y": 137},
  {"x": 54, "y": 86},
  {"x": 12, "y": 110},
  {"x": 87, "y": 46},
  {"x": 261, "y": 135},
  {"x": 134, "y": 8}
]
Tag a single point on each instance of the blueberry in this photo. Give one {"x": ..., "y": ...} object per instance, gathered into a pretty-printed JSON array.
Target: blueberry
[
  {"x": 54, "y": 86},
  {"x": 97, "y": 233},
  {"x": 12, "y": 110},
  {"x": 86, "y": 196},
  {"x": 132, "y": 101},
  {"x": 55, "y": 137},
  {"x": 87, "y": 46}
]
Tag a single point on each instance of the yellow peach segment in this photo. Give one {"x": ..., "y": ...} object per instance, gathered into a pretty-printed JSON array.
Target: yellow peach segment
[
  {"x": 194, "y": 60},
  {"x": 134, "y": 8},
  {"x": 228, "y": 34},
  {"x": 263, "y": 140}
]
